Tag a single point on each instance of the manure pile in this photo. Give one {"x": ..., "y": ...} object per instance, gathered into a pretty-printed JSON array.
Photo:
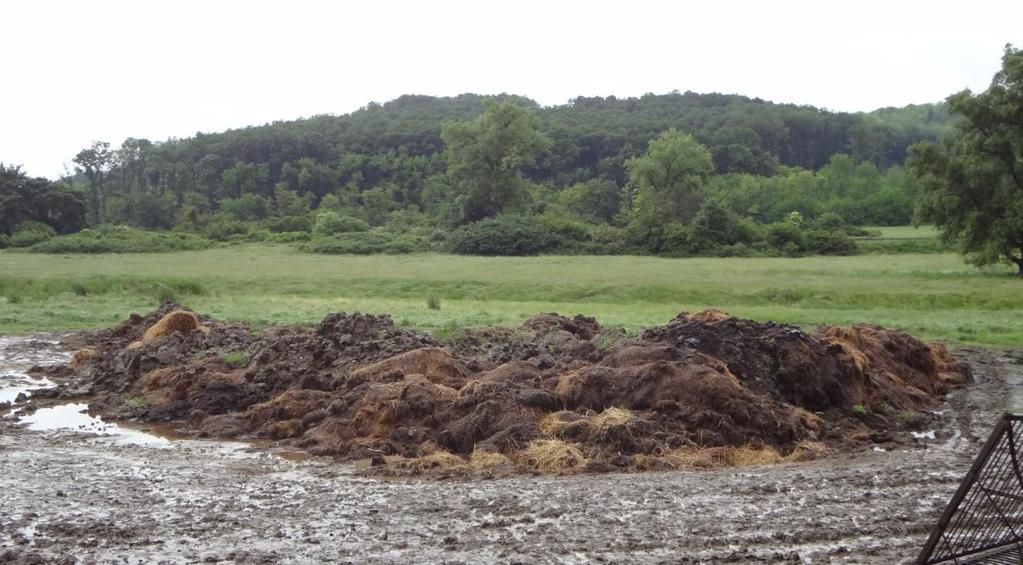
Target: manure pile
[{"x": 556, "y": 394}]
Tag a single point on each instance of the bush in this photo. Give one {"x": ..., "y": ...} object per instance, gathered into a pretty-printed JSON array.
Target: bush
[
  {"x": 366, "y": 243},
  {"x": 222, "y": 226},
  {"x": 563, "y": 226},
  {"x": 829, "y": 243},
  {"x": 332, "y": 223},
  {"x": 505, "y": 235},
  {"x": 121, "y": 239},
  {"x": 288, "y": 237},
  {"x": 785, "y": 236},
  {"x": 30, "y": 232},
  {"x": 5, "y": 241},
  {"x": 288, "y": 224}
]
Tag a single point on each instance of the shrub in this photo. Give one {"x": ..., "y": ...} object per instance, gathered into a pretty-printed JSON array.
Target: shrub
[
  {"x": 505, "y": 235},
  {"x": 366, "y": 243},
  {"x": 222, "y": 226},
  {"x": 121, "y": 239},
  {"x": 29, "y": 233},
  {"x": 563, "y": 226},
  {"x": 433, "y": 302},
  {"x": 5, "y": 241},
  {"x": 785, "y": 236},
  {"x": 288, "y": 224},
  {"x": 289, "y": 237},
  {"x": 331, "y": 223},
  {"x": 829, "y": 243}
]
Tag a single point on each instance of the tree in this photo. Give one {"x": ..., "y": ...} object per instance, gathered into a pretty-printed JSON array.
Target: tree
[
  {"x": 595, "y": 200},
  {"x": 35, "y": 199},
  {"x": 973, "y": 180},
  {"x": 669, "y": 179},
  {"x": 94, "y": 163},
  {"x": 486, "y": 157}
]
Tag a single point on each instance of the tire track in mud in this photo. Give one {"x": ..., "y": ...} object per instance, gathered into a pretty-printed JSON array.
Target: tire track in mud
[{"x": 72, "y": 497}]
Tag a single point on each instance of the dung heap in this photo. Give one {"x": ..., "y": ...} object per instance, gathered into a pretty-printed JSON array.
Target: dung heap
[{"x": 556, "y": 394}]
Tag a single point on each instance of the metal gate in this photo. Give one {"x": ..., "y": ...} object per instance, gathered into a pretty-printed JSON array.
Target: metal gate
[{"x": 984, "y": 521}]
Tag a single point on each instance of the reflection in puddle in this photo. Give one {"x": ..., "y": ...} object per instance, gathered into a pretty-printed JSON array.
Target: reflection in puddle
[
  {"x": 13, "y": 384},
  {"x": 75, "y": 417}
]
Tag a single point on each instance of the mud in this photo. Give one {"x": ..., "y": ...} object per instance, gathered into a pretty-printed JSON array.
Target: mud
[
  {"x": 556, "y": 395},
  {"x": 74, "y": 497}
]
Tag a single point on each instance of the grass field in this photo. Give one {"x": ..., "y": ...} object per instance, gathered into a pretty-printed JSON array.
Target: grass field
[
  {"x": 933, "y": 295},
  {"x": 905, "y": 232}
]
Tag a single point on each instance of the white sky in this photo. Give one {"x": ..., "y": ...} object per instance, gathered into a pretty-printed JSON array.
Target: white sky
[{"x": 76, "y": 71}]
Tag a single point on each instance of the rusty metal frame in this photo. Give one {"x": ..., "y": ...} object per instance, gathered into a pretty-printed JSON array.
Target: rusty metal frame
[{"x": 983, "y": 523}]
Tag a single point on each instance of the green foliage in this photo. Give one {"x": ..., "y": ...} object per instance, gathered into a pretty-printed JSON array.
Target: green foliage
[
  {"x": 595, "y": 200},
  {"x": 236, "y": 358},
  {"x": 222, "y": 227},
  {"x": 331, "y": 223},
  {"x": 433, "y": 302},
  {"x": 121, "y": 239},
  {"x": 27, "y": 199},
  {"x": 669, "y": 179},
  {"x": 486, "y": 157},
  {"x": 860, "y": 410},
  {"x": 367, "y": 243},
  {"x": 31, "y": 232},
  {"x": 973, "y": 180},
  {"x": 563, "y": 226},
  {"x": 247, "y": 207},
  {"x": 504, "y": 235}
]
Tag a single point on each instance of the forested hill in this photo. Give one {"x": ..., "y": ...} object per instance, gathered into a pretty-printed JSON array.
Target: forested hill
[{"x": 591, "y": 137}]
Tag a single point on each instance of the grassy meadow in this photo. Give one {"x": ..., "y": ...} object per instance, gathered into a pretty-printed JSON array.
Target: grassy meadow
[{"x": 932, "y": 295}]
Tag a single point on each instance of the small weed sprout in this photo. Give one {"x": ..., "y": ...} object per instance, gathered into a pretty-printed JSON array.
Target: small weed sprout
[
  {"x": 911, "y": 418},
  {"x": 137, "y": 401},
  {"x": 236, "y": 358},
  {"x": 860, "y": 410}
]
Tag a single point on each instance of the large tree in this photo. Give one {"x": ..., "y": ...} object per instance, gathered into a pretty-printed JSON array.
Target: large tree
[
  {"x": 486, "y": 157},
  {"x": 973, "y": 180},
  {"x": 94, "y": 163},
  {"x": 24, "y": 198},
  {"x": 668, "y": 181}
]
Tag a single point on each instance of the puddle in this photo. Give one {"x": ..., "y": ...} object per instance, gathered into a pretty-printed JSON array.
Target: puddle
[
  {"x": 17, "y": 355},
  {"x": 75, "y": 417},
  {"x": 14, "y": 384}
]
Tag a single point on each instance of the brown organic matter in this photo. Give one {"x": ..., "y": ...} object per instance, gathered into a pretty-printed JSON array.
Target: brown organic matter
[{"x": 557, "y": 394}]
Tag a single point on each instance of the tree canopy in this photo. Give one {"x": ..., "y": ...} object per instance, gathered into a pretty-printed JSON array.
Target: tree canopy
[
  {"x": 973, "y": 181},
  {"x": 35, "y": 199}
]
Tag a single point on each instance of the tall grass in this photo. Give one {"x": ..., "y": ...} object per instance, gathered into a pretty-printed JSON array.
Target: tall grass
[{"x": 935, "y": 295}]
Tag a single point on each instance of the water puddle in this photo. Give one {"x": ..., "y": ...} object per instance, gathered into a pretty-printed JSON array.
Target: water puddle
[
  {"x": 20, "y": 353},
  {"x": 76, "y": 417},
  {"x": 13, "y": 385}
]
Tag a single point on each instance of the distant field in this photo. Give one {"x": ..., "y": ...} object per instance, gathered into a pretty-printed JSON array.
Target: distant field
[
  {"x": 935, "y": 295},
  {"x": 902, "y": 239},
  {"x": 905, "y": 232}
]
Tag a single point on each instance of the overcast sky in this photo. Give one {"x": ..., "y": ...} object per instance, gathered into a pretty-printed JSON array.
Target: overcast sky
[{"x": 79, "y": 71}]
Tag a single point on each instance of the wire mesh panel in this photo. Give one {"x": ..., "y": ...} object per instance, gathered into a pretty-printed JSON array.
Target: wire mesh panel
[{"x": 984, "y": 521}]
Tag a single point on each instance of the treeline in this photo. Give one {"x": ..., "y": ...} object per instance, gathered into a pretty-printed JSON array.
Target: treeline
[{"x": 436, "y": 164}]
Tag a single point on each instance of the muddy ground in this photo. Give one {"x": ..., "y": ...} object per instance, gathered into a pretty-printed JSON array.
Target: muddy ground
[{"x": 70, "y": 496}]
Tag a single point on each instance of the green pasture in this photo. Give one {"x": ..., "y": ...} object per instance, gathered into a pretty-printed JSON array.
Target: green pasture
[{"x": 934, "y": 295}]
